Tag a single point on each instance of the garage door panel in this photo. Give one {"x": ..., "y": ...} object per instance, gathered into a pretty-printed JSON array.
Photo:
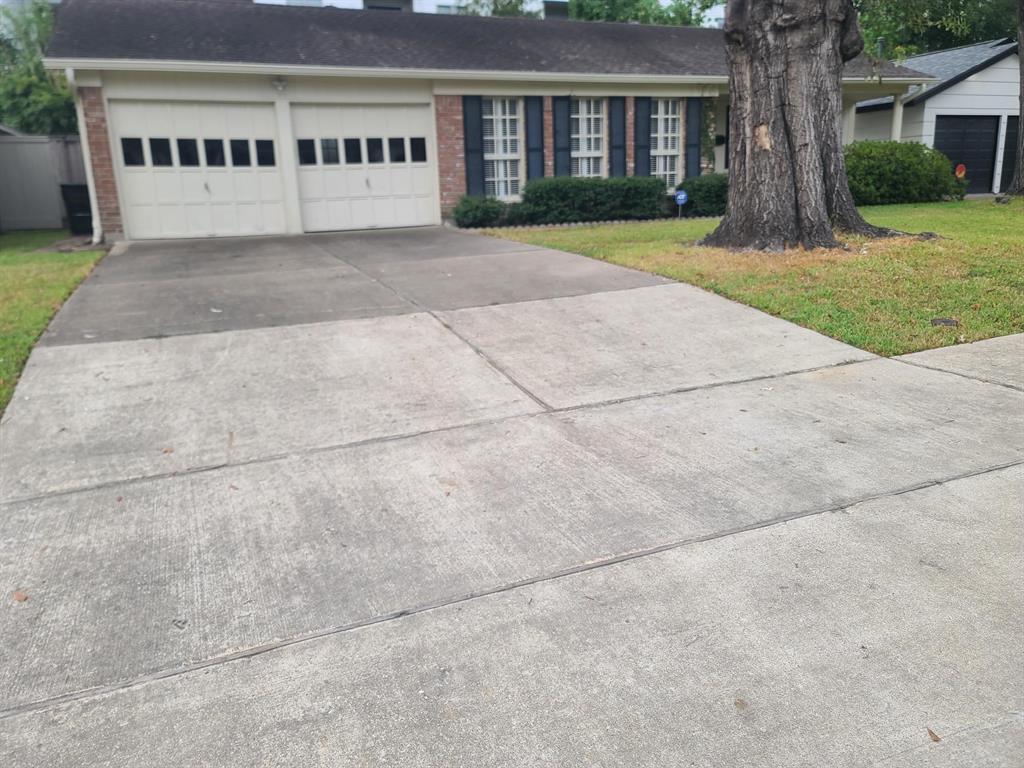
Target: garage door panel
[
  {"x": 208, "y": 198},
  {"x": 358, "y": 194},
  {"x": 970, "y": 140}
]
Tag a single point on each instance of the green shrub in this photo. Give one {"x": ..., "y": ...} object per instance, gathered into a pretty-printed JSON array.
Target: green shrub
[
  {"x": 479, "y": 212},
  {"x": 885, "y": 172},
  {"x": 708, "y": 194},
  {"x": 563, "y": 199}
]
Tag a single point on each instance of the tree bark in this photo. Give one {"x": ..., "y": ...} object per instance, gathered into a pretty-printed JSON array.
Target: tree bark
[
  {"x": 1017, "y": 182},
  {"x": 787, "y": 175}
]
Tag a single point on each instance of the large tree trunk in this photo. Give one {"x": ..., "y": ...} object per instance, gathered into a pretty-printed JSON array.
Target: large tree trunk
[
  {"x": 787, "y": 176},
  {"x": 1017, "y": 182}
]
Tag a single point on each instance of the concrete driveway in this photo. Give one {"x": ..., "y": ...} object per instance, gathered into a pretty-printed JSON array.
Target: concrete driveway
[{"x": 424, "y": 498}]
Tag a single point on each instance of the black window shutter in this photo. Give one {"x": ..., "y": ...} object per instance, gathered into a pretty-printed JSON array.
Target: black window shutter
[
  {"x": 642, "y": 137},
  {"x": 560, "y": 118},
  {"x": 617, "y": 135},
  {"x": 473, "y": 129},
  {"x": 694, "y": 125},
  {"x": 534, "y": 137}
]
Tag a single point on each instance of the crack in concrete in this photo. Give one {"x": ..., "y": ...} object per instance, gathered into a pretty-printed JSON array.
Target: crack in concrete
[
  {"x": 446, "y": 602},
  {"x": 967, "y": 376}
]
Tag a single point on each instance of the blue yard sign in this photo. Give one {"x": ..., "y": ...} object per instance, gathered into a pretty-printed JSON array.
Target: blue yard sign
[{"x": 681, "y": 197}]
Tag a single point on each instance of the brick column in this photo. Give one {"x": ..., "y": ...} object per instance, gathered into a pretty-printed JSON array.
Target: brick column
[
  {"x": 101, "y": 160},
  {"x": 451, "y": 151},
  {"x": 630, "y": 136},
  {"x": 549, "y": 138}
]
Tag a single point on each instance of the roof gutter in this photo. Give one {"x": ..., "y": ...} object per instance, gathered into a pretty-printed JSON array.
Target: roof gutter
[{"x": 241, "y": 68}]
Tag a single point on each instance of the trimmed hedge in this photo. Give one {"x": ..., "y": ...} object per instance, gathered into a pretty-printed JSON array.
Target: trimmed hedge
[
  {"x": 708, "y": 194},
  {"x": 563, "y": 199},
  {"x": 885, "y": 172}
]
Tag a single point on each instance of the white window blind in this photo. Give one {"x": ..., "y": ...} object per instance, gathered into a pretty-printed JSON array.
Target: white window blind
[
  {"x": 586, "y": 136},
  {"x": 501, "y": 124},
  {"x": 665, "y": 140}
]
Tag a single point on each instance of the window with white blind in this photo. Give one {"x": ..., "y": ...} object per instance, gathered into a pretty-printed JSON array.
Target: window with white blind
[
  {"x": 501, "y": 124},
  {"x": 665, "y": 140},
  {"x": 586, "y": 136}
]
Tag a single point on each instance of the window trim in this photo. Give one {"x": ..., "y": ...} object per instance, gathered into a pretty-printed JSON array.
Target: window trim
[
  {"x": 503, "y": 160},
  {"x": 576, "y": 112}
]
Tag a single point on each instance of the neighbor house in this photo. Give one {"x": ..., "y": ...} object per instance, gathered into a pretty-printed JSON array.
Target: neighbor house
[
  {"x": 234, "y": 118},
  {"x": 970, "y": 112}
]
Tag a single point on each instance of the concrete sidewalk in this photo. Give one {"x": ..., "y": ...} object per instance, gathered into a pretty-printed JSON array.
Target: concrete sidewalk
[{"x": 607, "y": 520}]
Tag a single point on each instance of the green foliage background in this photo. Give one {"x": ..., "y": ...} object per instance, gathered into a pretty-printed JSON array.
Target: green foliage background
[{"x": 32, "y": 100}]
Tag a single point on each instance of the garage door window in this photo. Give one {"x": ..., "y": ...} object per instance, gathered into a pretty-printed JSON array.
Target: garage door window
[
  {"x": 329, "y": 151},
  {"x": 396, "y": 150},
  {"x": 353, "y": 152},
  {"x": 131, "y": 151},
  {"x": 240, "y": 156},
  {"x": 418, "y": 150},
  {"x": 188, "y": 153},
  {"x": 307, "y": 152},
  {"x": 375, "y": 150},
  {"x": 160, "y": 151},
  {"x": 265, "y": 153},
  {"x": 214, "y": 149}
]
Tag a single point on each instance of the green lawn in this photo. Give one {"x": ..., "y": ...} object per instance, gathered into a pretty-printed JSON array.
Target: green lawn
[
  {"x": 879, "y": 295},
  {"x": 33, "y": 285}
]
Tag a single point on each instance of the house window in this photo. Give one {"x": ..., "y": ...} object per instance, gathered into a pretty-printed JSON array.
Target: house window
[
  {"x": 586, "y": 136},
  {"x": 665, "y": 140},
  {"x": 501, "y": 124}
]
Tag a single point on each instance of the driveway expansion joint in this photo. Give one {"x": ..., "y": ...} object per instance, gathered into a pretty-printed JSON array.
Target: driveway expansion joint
[
  {"x": 548, "y": 411},
  {"x": 957, "y": 373},
  {"x": 593, "y": 565}
]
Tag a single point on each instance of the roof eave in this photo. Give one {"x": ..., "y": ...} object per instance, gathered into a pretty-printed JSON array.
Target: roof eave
[{"x": 242, "y": 68}]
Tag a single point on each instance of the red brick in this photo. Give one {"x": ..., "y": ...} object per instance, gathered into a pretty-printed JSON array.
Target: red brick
[
  {"x": 451, "y": 161},
  {"x": 109, "y": 213}
]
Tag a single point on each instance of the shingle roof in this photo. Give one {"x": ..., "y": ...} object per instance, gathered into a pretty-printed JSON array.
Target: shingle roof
[
  {"x": 240, "y": 31},
  {"x": 950, "y": 67}
]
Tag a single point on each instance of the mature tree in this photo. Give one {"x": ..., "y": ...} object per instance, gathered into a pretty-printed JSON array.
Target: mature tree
[
  {"x": 32, "y": 100},
  {"x": 1017, "y": 182},
  {"x": 916, "y": 26},
  {"x": 676, "y": 12},
  {"x": 496, "y": 8},
  {"x": 787, "y": 176}
]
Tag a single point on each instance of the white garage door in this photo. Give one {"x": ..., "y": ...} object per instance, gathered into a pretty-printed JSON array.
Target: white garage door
[
  {"x": 197, "y": 169},
  {"x": 365, "y": 166}
]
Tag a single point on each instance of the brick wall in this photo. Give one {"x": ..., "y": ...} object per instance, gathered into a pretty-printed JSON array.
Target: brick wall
[
  {"x": 101, "y": 160},
  {"x": 549, "y": 138},
  {"x": 451, "y": 148}
]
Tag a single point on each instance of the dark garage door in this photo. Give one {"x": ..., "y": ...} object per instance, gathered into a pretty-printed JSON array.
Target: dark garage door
[
  {"x": 1009, "y": 152},
  {"x": 971, "y": 140}
]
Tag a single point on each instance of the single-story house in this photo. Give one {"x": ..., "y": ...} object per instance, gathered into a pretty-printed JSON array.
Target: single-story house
[
  {"x": 970, "y": 112},
  {"x": 227, "y": 117}
]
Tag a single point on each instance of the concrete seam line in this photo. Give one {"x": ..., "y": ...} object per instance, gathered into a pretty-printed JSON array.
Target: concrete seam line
[
  {"x": 128, "y": 481},
  {"x": 916, "y": 364},
  {"x": 259, "y": 650}
]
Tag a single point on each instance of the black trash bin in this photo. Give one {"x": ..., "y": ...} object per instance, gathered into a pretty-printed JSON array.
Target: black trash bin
[{"x": 76, "y": 202}]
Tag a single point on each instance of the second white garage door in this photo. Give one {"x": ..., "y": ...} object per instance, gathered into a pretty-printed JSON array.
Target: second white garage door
[{"x": 362, "y": 167}]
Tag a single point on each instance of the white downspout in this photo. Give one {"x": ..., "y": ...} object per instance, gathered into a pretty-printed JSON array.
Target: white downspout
[{"x": 83, "y": 132}]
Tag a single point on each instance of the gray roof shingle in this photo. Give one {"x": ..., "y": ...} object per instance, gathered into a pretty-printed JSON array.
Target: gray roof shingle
[
  {"x": 240, "y": 31},
  {"x": 950, "y": 66}
]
